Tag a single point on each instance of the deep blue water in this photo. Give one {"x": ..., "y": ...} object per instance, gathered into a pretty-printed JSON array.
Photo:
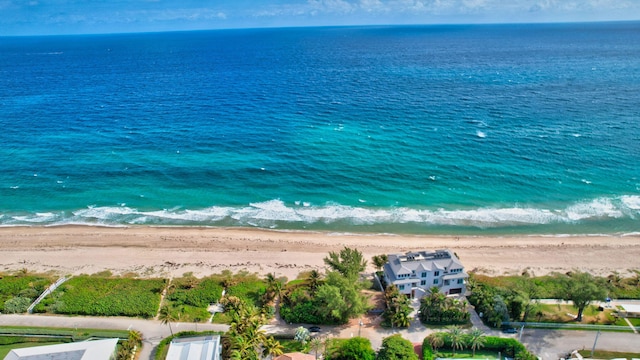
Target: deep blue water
[{"x": 494, "y": 129}]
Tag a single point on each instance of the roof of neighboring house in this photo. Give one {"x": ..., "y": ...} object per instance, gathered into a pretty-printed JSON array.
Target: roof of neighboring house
[
  {"x": 84, "y": 350},
  {"x": 200, "y": 348},
  {"x": 631, "y": 308},
  {"x": 295, "y": 356},
  {"x": 399, "y": 264}
]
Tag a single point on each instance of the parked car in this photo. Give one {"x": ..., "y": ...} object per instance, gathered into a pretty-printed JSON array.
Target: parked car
[
  {"x": 510, "y": 330},
  {"x": 314, "y": 329}
]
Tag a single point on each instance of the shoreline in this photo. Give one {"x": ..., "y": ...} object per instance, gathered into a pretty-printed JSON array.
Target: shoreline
[{"x": 162, "y": 251}]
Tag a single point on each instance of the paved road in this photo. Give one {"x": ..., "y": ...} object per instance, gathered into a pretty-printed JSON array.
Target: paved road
[
  {"x": 552, "y": 344},
  {"x": 548, "y": 344}
]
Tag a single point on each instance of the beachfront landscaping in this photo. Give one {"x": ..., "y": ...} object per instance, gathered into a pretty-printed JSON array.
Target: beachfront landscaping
[
  {"x": 517, "y": 298},
  {"x": 105, "y": 296},
  {"x": 18, "y": 291},
  {"x": 456, "y": 343},
  {"x": 438, "y": 309},
  {"x": 333, "y": 298},
  {"x": 189, "y": 297}
]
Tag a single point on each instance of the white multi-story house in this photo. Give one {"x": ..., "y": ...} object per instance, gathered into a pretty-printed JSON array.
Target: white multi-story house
[{"x": 414, "y": 273}]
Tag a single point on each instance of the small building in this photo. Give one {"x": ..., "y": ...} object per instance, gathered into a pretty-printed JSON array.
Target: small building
[
  {"x": 84, "y": 350},
  {"x": 414, "y": 273},
  {"x": 630, "y": 310},
  {"x": 195, "y": 348},
  {"x": 295, "y": 356}
]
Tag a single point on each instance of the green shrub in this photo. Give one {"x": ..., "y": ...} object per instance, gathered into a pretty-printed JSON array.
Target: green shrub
[
  {"x": 508, "y": 346},
  {"x": 22, "y": 285},
  {"x": 438, "y": 309},
  {"x": 17, "y": 305},
  {"x": 427, "y": 350},
  {"x": 95, "y": 296},
  {"x": 250, "y": 290},
  {"x": 303, "y": 312},
  {"x": 203, "y": 293}
]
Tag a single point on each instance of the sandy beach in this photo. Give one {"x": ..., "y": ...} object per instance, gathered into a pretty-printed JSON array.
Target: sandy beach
[{"x": 168, "y": 251}]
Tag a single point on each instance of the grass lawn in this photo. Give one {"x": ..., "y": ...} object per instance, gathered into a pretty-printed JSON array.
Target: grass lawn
[
  {"x": 5, "y": 349},
  {"x": 635, "y": 321},
  {"x": 290, "y": 345},
  {"x": 566, "y": 313},
  {"x": 77, "y": 334},
  {"x": 621, "y": 322},
  {"x": 609, "y": 354}
]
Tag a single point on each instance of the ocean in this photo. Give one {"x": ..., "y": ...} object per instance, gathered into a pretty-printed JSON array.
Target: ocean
[{"x": 461, "y": 129}]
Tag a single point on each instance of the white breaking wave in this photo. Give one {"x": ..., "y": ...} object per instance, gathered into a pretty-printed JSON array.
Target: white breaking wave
[{"x": 276, "y": 213}]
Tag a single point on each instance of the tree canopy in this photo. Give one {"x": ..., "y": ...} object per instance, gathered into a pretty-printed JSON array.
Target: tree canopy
[
  {"x": 395, "y": 347},
  {"x": 356, "y": 348},
  {"x": 349, "y": 262},
  {"x": 581, "y": 289}
]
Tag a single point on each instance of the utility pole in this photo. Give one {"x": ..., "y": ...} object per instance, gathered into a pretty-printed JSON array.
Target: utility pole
[
  {"x": 521, "y": 331},
  {"x": 594, "y": 343}
]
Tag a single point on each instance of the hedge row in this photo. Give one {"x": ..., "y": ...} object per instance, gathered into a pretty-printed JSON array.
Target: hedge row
[{"x": 509, "y": 347}]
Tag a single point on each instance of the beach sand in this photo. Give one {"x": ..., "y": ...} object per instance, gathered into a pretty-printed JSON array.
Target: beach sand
[{"x": 169, "y": 251}]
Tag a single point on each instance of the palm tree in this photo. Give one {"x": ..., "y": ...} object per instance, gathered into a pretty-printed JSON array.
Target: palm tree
[
  {"x": 272, "y": 348},
  {"x": 476, "y": 340},
  {"x": 401, "y": 319},
  {"x": 166, "y": 316},
  {"x": 436, "y": 340},
  {"x": 313, "y": 280},
  {"x": 379, "y": 261},
  {"x": 315, "y": 344},
  {"x": 135, "y": 337},
  {"x": 456, "y": 337}
]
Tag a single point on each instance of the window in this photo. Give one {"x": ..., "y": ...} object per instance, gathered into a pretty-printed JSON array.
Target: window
[
  {"x": 446, "y": 282},
  {"x": 436, "y": 273},
  {"x": 400, "y": 287},
  {"x": 423, "y": 282},
  {"x": 460, "y": 281},
  {"x": 435, "y": 281},
  {"x": 424, "y": 274}
]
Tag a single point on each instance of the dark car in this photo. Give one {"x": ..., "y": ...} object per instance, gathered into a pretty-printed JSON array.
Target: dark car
[
  {"x": 314, "y": 329},
  {"x": 510, "y": 330}
]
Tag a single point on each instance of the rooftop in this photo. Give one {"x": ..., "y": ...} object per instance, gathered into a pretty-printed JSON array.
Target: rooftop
[
  {"x": 416, "y": 262},
  {"x": 195, "y": 348},
  {"x": 84, "y": 350}
]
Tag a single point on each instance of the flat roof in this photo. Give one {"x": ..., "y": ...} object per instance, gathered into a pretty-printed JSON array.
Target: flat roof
[
  {"x": 195, "y": 348},
  {"x": 83, "y": 350},
  {"x": 631, "y": 308}
]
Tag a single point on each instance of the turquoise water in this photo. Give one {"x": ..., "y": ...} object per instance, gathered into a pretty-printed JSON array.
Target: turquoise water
[{"x": 518, "y": 129}]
